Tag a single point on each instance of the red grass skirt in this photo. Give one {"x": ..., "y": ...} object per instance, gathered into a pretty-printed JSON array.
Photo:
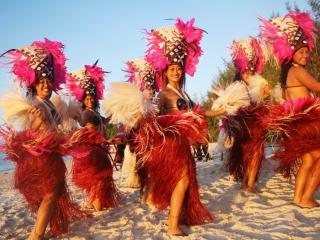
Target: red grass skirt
[
  {"x": 298, "y": 123},
  {"x": 40, "y": 170},
  {"x": 248, "y": 147},
  {"x": 92, "y": 168},
  {"x": 164, "y": 149}
]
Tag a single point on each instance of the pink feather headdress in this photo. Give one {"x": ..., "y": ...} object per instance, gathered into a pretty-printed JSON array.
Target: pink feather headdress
[
  {"x": 249, "y": 55},
  {"x": 141, "y": 73},
  {"x": 289, "y": 33},
  {"x": 86, "y": 81},
  {"x": 175, "y": 44},
  {"x": 41, "y": 59}
]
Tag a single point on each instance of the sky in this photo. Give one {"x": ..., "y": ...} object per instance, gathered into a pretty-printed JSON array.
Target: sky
[{"x": 113, "y": 30}]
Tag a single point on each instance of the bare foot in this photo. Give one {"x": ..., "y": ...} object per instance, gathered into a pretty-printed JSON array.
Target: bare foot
[
  {"x": 173, "y": 226},
  {"x": 296, "y": 201},
  {"x": 308, "y": 204},
  {"x": 250, "y": 190},
  {"x": 143, "y": 199},
  {"x": 35, "y": 236},
  {"x": 97, "y": 205},
  {"x": 89, "y": 205},
  {"x": 176, "y": 232}
]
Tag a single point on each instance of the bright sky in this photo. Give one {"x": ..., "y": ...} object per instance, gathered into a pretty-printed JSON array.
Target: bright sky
[{"x": 112, "y": 30}]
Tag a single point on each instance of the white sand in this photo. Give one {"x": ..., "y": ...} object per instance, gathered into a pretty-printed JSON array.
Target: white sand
[{"x": 267, "y": 215}]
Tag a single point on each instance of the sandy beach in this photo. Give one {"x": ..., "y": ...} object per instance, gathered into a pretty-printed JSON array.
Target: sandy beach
[{"x": 238, "y": 215}]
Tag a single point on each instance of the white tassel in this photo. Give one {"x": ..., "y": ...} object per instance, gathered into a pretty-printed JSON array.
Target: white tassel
[
  {"x": 127, "y": 104},
  {"x": 69, "y": 112},
  {"x": 276, "y": 94},
  {"x": 256, "y": 88},
  {"x": 129, "y": 169},
  {"x": 231, "y": 98},
  {"x": 15, "y": 109}
]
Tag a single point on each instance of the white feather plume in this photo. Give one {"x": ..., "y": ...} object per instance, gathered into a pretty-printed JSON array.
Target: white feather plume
[
  {"x": 127, "y": 104},
  {"x": 70, "y": 110},
  {"x": 256, "y": 87},
  {"x": 15, "y": 109},
  {"x": 276, "y": 94},
  {"x": 231, "y": 98}
]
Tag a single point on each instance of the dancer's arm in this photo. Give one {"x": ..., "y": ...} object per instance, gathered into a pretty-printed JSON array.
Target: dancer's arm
[
  {"x": 306, "y": 79},
  {"x": 214, "y": 113}
]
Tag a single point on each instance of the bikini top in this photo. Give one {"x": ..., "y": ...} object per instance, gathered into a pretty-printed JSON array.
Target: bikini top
[
  {"x": 294, "y": 86},
  {"x": 184, "y": 102},
  {"x": 93, "y": 117},
  {"x": 286, "y": 94}
]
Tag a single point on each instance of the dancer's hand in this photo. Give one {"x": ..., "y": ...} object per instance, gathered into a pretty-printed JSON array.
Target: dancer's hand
[
  {"x": 228, "y": 142},
  {"x": 38, "y": 116},
  {"x": 35, "y": 112}
]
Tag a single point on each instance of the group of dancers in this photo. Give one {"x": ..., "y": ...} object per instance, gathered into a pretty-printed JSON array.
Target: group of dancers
[{"x": 160, "y": 123}]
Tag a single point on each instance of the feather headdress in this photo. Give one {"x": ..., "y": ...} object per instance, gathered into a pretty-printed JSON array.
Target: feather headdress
[
  {"x": 287, "y": 34},
  {"x": 86, "y": 81},
  {"x": 250, "y": 55},
  {"x": 141, "y": 73},
  {"x": 178, "y": 44},
  {"x": 41, "y": 59}
]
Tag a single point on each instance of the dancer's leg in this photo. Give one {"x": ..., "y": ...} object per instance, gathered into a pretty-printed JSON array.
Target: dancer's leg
[{"x": 176, "y": 203}]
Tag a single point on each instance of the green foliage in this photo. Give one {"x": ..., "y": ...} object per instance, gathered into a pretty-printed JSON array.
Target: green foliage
[
  {"x": 314, "y": 66},
  {"x": 111, "y": 131},
  {"x": 272, "y": 74},
  {"x": 213, "y": 131},
  {"x": 224, "y": 78}
]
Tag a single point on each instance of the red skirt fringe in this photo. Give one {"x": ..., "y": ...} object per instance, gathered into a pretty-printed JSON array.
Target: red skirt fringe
[
  {"x": 248, "y": 134},
  {"x": 298, "y": 123},
  {"x": 164, "y": 148},
  {"x": 92, "y": 168},
  {"x": 40, "y": 170}
]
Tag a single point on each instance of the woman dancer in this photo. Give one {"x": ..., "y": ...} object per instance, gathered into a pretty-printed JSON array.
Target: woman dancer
[
  {"x": 92, "y": 168},
  {"x": 163, "y": 147},
  {"x": 247, "y": 151},
  {"x": 37, "y": 150},
  {"x": 141, "y": 74},
  {"x": 174, "y": 51},
  {"x": 297, "y": 120}
]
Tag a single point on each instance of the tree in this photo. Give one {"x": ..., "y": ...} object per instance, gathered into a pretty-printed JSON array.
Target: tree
[{"x": 314, "y": 66}]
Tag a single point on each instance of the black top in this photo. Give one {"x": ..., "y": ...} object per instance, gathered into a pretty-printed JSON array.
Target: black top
[{"x": 93, "y": 117}]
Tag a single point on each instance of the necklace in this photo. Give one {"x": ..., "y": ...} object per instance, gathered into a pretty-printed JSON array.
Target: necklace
[{"x": 180, "y": 94}]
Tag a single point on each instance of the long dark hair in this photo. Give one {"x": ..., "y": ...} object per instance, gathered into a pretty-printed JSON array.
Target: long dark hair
[
  {"x": 237, "y": 77},
  {"x": 95, "y": 105},
  {"x": 284, "y": 72},
  {"x": 31, "y": 92}
]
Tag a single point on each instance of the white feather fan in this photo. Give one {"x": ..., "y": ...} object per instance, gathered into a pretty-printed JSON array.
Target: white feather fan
[
  {"x": 70, "y": 111},
  {"x": 256, "y": 87},
  {"x": 231, "y": 98},
  {"x": 15, "y": 109},
  {"x": 276, "y": 94},
  {"x": 127, "y": 104}
]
